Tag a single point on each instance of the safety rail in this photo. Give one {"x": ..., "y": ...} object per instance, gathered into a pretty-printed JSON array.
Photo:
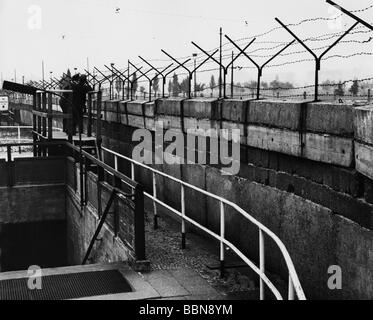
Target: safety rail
[
  {"x": 293, "y": 280},
  {"x": 43, "y": 114}
]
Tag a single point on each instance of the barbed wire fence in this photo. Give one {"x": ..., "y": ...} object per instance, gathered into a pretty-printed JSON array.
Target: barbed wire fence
[{"x": 131, "y": 83}]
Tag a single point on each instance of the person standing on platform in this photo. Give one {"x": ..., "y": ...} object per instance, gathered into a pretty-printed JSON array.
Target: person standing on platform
[{"x": 80, "y": 89}]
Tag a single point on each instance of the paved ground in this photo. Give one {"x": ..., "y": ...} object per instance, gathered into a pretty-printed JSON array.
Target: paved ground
[{"x": 164, "y": 252}]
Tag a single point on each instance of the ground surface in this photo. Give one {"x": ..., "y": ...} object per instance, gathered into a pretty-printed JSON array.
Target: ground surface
[{"x": 164, "y": 252}]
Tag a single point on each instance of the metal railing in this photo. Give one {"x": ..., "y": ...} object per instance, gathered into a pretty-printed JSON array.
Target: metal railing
[
  {"x": 294, "y": 286},
  {"x": 89, "y": 160}
]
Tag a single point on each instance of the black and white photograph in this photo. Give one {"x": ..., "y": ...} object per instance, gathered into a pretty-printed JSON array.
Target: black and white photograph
[{"x": 182, "y": 157}]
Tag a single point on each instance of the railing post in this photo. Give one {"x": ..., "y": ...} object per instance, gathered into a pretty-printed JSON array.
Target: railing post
[
  {"x": 117, "y": 184},
  {"x": 34, "y": 124},
  {"x": 183, "y": 234},
  {"x": 100, "y": 178},
  {"x": 50, "y": 119},
  {"x": 10, "y": 167},
  {"x": 139, "y": 223},
  {"x": 369, "y": 95},
  {"x": 19, "y": 139},
  {"x": 98, "y": 120},
  {"x": 89, "y": 123},
  {"x": 155, "y": 203},
  {"x": 222, "y": 235},
  {"x": 44, "y": 121},
  {"x": 116, "y": 162},
  {"x": 70, "y": 119},
  {"x": 261, "y": 263},
  {"x": 132, "y": 171},
  {"x": 290, "y": 289},
  {"x": 39, "y": 122}
]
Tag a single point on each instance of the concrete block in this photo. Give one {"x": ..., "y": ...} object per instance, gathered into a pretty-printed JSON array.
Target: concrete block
[
  {"x": 112, "y": 105},
  {"x": 135, "y": 107},
  {"x": 136, "y": 121},
  {"x": 149, "y": 109},
  {"x": 170, "y": 106},
  {"x": 237, "y": 126},
  {"x": 279, "y": 140},
  {"x": 364, "y": 159},
  {"x": 123, "y": 106},
  {"x": 234, "y": 110},
  {"x": 324, "y": 117},
  {"x": 202, "y": 108},
  {"x": 329, "y": 149},
  {"x": 279, "y": 114},
  {"x": 363, "y": 124},
  {"x": 169, "y": 122}
]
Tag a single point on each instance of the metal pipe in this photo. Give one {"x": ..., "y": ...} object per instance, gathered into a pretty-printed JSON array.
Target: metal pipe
[
  {"x": 183, "y": 237},
  {"x": 261, "y": 263},
  {"x": 222, "y": 236}
]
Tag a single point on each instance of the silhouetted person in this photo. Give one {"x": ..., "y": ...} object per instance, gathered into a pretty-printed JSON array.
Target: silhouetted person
[{"x": 80, "y": 89}]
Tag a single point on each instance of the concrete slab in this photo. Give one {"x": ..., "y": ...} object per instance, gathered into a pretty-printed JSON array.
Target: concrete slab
[
  {"x": 279, "y": 114},
  {"x": 330, "y": 118},
  {"x": 170, "y": 106},
  {"x": 363, "y": 158},
  {"x": 279, "y": 140},
  {"x": 329, "y": 149},
  {"x": 363, "y": 124},
  {"x": 202, "y": 108},
  {"x": 234, "y": 109}
]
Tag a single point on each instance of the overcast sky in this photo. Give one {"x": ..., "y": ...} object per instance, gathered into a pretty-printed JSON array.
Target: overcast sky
[{"x": 104, "y": 31}]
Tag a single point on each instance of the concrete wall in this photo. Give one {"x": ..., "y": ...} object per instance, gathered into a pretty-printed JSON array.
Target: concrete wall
[
  {"x": 32, "y": 214},
  {"x": 306, "y": 172}
]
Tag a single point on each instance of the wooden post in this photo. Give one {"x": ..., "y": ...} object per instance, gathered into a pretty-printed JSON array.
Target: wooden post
[{"x": 369, "y": 95}]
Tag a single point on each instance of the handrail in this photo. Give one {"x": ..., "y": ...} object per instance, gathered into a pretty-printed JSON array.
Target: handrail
[{"x": 293, "y": 277}]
